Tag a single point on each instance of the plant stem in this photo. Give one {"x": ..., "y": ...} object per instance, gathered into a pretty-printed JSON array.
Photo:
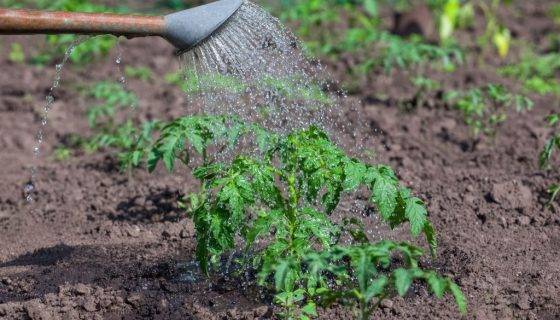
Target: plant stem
[{"x": 292, "y": 205}]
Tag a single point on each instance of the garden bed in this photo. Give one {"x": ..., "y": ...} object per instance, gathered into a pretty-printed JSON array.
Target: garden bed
[{"x": 101, "y": 244}]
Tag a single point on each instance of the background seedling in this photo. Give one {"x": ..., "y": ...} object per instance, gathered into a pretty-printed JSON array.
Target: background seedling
[
  {"x": 16, "y": 53},
  {"x": 536, "y": 73},
  {"x": 546, "y": 154},
  {"x": 486, "y": 108},
  {"x": 56, "y": 44},
  {"x": 141, "y": 73}
]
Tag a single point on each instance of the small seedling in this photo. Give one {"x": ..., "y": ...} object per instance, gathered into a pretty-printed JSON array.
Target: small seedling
[
  {"x": 16, "y": 53},
  {"x": 546, "y": 154},
  {"x": 425, "y": 87},
  {"x": 536, "y": 73},
  {"x": 113, "y": 97},
  {"x": 141, "y": 73},
  {"x": 62, "y": 153},
  {"x": 485, "y": 108},
  {"x": 107, "y": 132}
]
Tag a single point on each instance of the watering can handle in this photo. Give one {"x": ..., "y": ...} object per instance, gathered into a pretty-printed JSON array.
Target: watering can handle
[{"x": 43, "y": 22}]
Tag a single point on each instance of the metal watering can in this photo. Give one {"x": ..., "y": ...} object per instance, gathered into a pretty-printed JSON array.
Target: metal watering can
[{"x": 184, "y": 29}]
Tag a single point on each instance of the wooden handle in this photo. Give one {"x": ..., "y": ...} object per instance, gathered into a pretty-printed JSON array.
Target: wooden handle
[{"x": 40, "y": 22}]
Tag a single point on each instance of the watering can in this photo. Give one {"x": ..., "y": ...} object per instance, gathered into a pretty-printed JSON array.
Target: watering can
[{"x": 184, "y": 29}]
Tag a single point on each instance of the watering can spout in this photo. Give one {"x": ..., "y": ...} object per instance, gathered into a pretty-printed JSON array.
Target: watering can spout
[
  {"x": 187, "y": 28},
  {"x": 184, "y": 29}
]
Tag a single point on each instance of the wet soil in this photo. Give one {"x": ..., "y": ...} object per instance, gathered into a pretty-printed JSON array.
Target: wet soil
[{"x": 101, "y": 244}]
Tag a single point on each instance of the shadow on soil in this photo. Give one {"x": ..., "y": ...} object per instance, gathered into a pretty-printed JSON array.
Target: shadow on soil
[{"x": 157, "y": 206}]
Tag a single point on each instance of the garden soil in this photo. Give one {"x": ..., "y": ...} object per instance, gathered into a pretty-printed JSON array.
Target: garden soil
[{"x": 101, "y": 244}]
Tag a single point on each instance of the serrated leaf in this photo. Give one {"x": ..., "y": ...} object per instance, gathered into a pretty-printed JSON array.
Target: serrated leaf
[
  {"x": 385, "y": 195},
  {"x": 362, "y": 270},
  {"x": 459, "y": 297},
  {"x": 416, "y": 214},
  {"x": 310, "y": 309},
  {"x": 354, "y": 174},
  {"x": 153, "y": 159},
  {"x": 437, "y": 285},
  {"x": 376, "y": 288},
  {"x": 403, "y": 281},
  {"x": 281, "y": 275}
]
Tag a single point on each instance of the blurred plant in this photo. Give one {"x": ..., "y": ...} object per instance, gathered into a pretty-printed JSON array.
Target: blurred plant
[
  {"x": 495, "y": 32},
  {"x": 351, "y": 31},
  {"x": 425, "y": 87},
  {"x": 407, "y": 53},
  {"x": 316, "y": 22},
  {"x": 453, "y": 15},
  {"x": 56, "y": 45},
  {"x": 107, "y": 132},
  {"x": 545, "y": 156},
  {"x": 62, "y": 153},
  {"x": 459, "y": 14},
  {"x": 554, "y": 12},
  {"x": 485, "y": 108},
  {"x": 141, "y": 73},
  {"x": 192, "y": 82},
  {"x": 16, "y": 54},
  {"x": 536, "y": 73},
  {"x": 113, "y": 96}
]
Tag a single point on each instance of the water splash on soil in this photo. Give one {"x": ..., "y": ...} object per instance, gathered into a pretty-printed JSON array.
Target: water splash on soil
[{"x": 29, "y": 188}]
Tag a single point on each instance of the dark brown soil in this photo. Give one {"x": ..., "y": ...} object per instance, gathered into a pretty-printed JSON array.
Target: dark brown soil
[{"x": 100, "y": 244}]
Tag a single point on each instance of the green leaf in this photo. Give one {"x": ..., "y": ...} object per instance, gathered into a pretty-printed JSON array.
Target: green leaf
[
  {"x": 354, "y": 174},
  {"x": 310, "y": 309},
  {"x": 281, "y": 276},
  {"x": 437, "y": 284},
  {"x": 403, "y": 280},
  {"x": 416, "y": 214},
  {"x": 430, "y": 233},
  {"x": 371, "y": 7},
  {"x": 546, "y": 153},
  {"x": 376, "y": 288},
  {"x": 385, "y": 195},
  {"x": 459, "y": 297},
  {"x": 362, "y": 270}
]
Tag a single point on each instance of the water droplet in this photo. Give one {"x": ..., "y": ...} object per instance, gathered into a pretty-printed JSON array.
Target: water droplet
[{"x": 28, "y": 188}]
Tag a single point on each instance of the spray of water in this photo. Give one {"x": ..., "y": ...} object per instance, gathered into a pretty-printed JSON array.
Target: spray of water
[{"x": 253, "y": 67}]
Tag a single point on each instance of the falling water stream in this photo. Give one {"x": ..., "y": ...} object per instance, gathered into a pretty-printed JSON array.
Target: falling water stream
[
  {"x": 268, "y": 79},
  {"x": 50, "y": 99}
]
